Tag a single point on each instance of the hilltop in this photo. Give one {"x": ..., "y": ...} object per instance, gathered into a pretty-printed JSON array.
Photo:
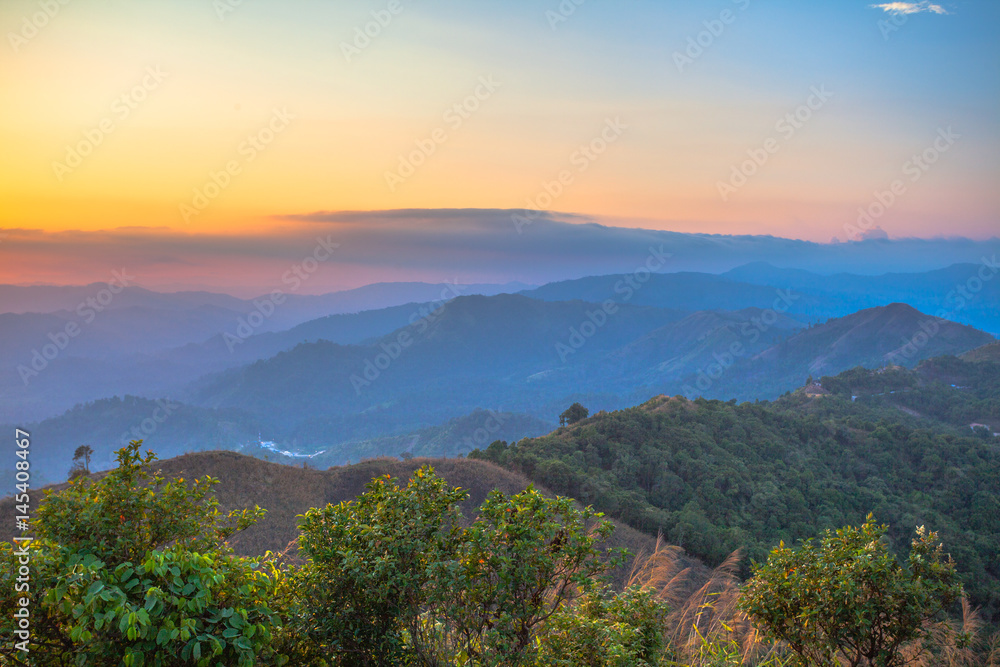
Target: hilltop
[
  {"x": 988, "y": 352},
  {"x": 286, "y": 491},
  {"x": 423, "y": 388},
  {"x": 896, "y": 334},
  {"x": 714, "y": 476}
]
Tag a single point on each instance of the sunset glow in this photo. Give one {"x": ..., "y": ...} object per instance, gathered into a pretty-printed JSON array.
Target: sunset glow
[{"x": 222, "y": 118}]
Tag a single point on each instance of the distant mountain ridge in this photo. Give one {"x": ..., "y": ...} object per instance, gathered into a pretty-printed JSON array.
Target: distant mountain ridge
[
  {"x": 504, "y": 350},
  {"x": 678, "y": 291},
  {"x": 137, "y": 341},
  {"x": 966, "y": 293},
  {"x": 697, "y": 341},
  {"x": 300, "y": 307},
  {"x": 874, "y": 337},
  {"x": 372, "y": 376},
  {"x": 475, "y": 351}
]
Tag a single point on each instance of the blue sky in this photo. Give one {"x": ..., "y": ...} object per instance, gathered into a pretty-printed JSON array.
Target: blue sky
[{"x": 897, "y": 75}]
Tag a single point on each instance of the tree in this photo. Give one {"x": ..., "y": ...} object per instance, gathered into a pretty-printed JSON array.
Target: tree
[
  {"x": 367, "y": 577},
  {"x": 393, "y": 578},
  {"x": 522, "y": 559},
  {"x": 82, "y": 455},
  {"x": 81, "y": 462},
  {"x": 849, "y": 598},
  {"x": 131, "y": 569},
  {"x": 573, "y": 414}
]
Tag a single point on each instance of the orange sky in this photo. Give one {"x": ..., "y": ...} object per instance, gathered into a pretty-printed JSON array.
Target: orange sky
[{"x": 119, "y": 115}]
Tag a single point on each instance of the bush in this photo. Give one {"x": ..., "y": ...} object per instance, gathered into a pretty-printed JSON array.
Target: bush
[
  {"x": 392, "y": 578},
  {"x": 522, "y": 559},
  {"x": 135, "y": 571},
  {"x": 606, "y": 630},
  {"x": 367, "y": 577},
  {"x": 849, "y": 598}
]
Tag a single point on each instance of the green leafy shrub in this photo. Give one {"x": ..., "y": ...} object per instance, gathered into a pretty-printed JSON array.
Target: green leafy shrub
[
  {"x": 368, "y": 573},
  {"x": 394, "y": 578},
  {"x": 133, "y": 570},
  {"x": 522, "y": 559},
  {"x": 849, "y": 598},
  {"x": 603, "y": 629}
]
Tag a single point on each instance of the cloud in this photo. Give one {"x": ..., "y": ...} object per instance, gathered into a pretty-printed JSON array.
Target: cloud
[
  {"x": 911, "y": 7},
  {"x": 428, "y": 218},
  {"x": 433, "y": 245},
  {"x": 874, "y": 234}
]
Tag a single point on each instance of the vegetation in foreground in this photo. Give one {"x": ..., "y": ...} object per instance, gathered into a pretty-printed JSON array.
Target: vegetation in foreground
[
  {"x": 133, "y": 569},
  {"x": 716, "y": 476}
]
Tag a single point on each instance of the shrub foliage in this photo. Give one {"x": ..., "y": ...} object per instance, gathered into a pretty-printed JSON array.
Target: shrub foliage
[{"x": 132, "y": 569}]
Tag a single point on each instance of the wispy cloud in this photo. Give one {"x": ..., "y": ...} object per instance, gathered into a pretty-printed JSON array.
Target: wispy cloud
[
  {"x": 911, "y": 7},
  {"x": 874, "y": 234}
]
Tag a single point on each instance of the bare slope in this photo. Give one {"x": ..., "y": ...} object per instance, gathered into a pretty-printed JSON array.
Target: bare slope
[{"x": 286, "y": 491}]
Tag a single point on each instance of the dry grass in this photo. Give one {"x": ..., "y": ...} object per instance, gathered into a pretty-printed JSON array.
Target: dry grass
[
  {"x": 944, "y": 647},
  {"x": 993, "y": 651},
  {"x": 702, "y": 602},
  {"x": 288, "y": 491},
  {"x": 704, "y": 617}
]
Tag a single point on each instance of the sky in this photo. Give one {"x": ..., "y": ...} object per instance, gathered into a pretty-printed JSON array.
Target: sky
[{"x": 205, "y": 142}]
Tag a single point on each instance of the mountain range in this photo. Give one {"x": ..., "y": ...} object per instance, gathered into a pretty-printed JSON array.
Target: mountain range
[
  {"x": 913, "y": 446},
  {"x": 419, "y": 376},
  {"x": 711, "y": 476}
]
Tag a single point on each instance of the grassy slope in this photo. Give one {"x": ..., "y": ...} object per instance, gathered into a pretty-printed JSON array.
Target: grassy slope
[
  {"x": 989, "y": 352},
  {"x": 287, "y": 491}
]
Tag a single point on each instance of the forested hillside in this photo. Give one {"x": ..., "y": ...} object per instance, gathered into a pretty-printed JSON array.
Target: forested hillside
[{"x": 715, "y": 476}]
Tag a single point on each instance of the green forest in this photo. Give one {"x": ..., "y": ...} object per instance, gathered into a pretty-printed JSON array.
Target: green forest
[{"x": 713, "y": 476}]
